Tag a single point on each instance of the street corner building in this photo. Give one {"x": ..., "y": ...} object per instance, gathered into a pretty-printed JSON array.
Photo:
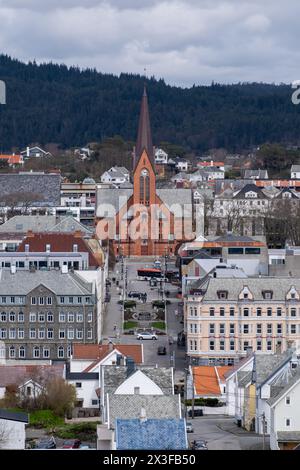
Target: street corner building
[{"x": 140, "y": 219}]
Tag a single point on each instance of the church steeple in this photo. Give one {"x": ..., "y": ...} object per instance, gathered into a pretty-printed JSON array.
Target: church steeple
[{"x": 144, "y": 138}]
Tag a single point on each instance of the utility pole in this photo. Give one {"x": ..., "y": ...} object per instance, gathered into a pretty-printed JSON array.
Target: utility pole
[{"x": 193, "y": 396}]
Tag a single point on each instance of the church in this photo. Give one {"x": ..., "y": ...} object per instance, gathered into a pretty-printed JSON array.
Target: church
[{"x": 138, "y": 218}]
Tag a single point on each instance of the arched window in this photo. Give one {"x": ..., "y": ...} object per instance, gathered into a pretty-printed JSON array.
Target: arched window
[
  {"x": 36, "y": 352},
  {"x": 60, "y": 352},
  {"x": 12, "y": 352},
  {"x": 144, "y": 187},
  {"x": 22, "y": 352}
]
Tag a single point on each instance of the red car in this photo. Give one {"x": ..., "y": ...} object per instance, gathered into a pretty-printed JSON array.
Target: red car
[{"x": 72, "y": 444}]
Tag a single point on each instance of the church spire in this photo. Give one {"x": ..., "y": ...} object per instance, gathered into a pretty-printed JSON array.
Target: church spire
[{"x": 144, "y": 138}]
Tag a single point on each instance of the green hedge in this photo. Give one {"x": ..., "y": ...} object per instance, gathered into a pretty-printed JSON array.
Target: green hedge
[
  {"x": 204, "y": 402},
  {"x": 160, "y": 303},
  {"x": 44, "y": 419},
  {"x": 83, "y": 431}
]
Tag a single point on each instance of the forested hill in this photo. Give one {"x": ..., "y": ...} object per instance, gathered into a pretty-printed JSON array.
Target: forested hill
[{"x": 54, "y": 103}]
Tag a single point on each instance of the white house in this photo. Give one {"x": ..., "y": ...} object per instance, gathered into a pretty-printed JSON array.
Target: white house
[
  {"x": 161, "y": 157},
  {"x": 182, "y": 165},
  {"x": 234, "y": 386},
  {"x": 295, "y": 172},
  {"x": 116, "y": 175},
  {"x": 35, "y": 152},
  {"x": 12, "y": 430}
]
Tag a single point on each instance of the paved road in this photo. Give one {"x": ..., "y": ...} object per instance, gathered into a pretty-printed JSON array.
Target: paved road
[
  {"x": 113, "y": 315},
  {"x": 222, "y": 434}
]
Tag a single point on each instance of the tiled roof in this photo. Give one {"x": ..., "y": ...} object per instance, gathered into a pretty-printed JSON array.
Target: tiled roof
[
  {"x": 151, "y": 434},
  {"x": 59, "y": 243},
  {"x": 45, "y": 187},
  {"x": 98, "y": 352},
  {"x": 280, "y": 391},
  {"x": 12, "y": 159},
  {"x": 155, "y": 406},
  {"x": 17, "y": 375},
  {"x": 207, "y": 379}
]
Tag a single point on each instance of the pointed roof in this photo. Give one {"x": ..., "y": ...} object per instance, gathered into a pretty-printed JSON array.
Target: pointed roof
[{"x": 144, "y": 138}]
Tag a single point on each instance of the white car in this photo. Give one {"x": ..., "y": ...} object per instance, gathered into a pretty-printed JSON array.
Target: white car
[
  {"x": 189, "y": 427},
  {"x": 146, "y": 335}
]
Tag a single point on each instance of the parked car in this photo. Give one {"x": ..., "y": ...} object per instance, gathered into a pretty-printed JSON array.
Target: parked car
[
  {"x": 146, "y": 335},
  {"x": 161, "y": 351},
  {"x": 196, "y": 413},
  {"x": 47, "y": 443},
  {"x": 199, "y": 444},
  {"x": 72, "y": 444},
  {"x": 134, "y": 295},
  {"x": 189, "y": 427}
]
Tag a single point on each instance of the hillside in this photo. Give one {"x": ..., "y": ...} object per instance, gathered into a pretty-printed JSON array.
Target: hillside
[{"x": 54, "y": 103}]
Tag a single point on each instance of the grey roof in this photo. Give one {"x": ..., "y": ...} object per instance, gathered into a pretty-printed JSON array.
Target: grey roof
[
  {"x": 114, "y": 376},
  {"x": 295, "y": 168},
  {"x": 279, "y": 391},
  {"x": 23, "y": 282},
  {"x": 285, "y": 436},
  {"x": 235, "y": 185},
  {"x": 156, "y": 406},
  {"x": 230, "y": 237},
  {"x": 279, "y": 286},
  {"x": 69, "y": 224},
  {"x": 170, "y": 197},
  {"x": 44, "y": 187},
  {"x": 268, "y": 364},
  {"x": 244, "y": 377},
  {"x": 250, "y": 187},
  {"x": 14, "y": 416},
  {"x": 259, "y": 174},
  {"x": 23, "y": 223}
]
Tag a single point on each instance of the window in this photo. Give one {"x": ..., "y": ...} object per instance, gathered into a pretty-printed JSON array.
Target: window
[
  {"x": 222, "y": 294},
  {"x": 95, "y": 402},
  {"x": 293, "y": 329},
  {"x": 245, "y": 329},
  {"x": 78, "y": 384},
  {"x": 41, "y": 317},
  {"x": 12, "y": 317},
  {"x": 12, "y": 352},
  {"x": 231, "y": 311},
  {"x": 195, "y": 312},
  {"x": 279, "y": 312},
  {"x": 3, "y": 300},
  {"x": 71, "y": 317},
  {"x": 75, "y": 248},
  {"x": 71, "y": 299},
  {"x": 293, "y": 312},
  {"x": 21, "y": 317},
  {"x": 12, "y": 333},
  {"x": 79, "y": 334},
  {"x": 269, "y": 345},
  {"x": 62, "y": 300},
  {"x": 12, "y": 300},
  {"x": 258, "y": 328},
  {"x": 212, "y": 311},
  {"x": 258, "y": 312},
  {"x": 20, "y": 333},
  {"x": 60, "y": 352},
  {"x": 3, "y": 333},
  {"x": 222, "y": 328},
  {"x": 90, "y": 333},
  {"x": 79, "y": 317},
  {"x": 269, "y": 328},
  {"x": 90, "y": 317},
  {"x": 288, "y": 422},
  {"x": 88, "y": 300},
  {"x": 246, "y": 295},
  {"x": 36, "y": 352},
  {"x": 46, "y": 352},
  {"x": 62, "y": 318},
  {"x": 70, "y": 334},
  {"x": 3, "y": 316},
  {"x": 246, "y": 312},
  {"x": 246, "y": 345},
  {"x": 222, "y": 345},
  {"x": 252, "y": 251},
  {"x": 279, "y": 328},
  {"x": 32, "y": 317},
  {"x": 211, "y": 345},
  {"x": 33, "y": 300},
  {"x": 222, "y": 311},
  {"x": 41, "y": 301},
  {"x": 235, "y": 251},
  {"x": 231, "y": 345},
  {"x": 50, "y": 334},
  {"x": 62, "y": 334},
  {"x": 49, "y": 300},
  {"x": 287, "y": 400},
  {"x": 50, "y": 318},
  {"x": 32, "y": 333},
  {"x": 231, "y": 328},
  {"x": 269, "y": 312},
  {"x": 258, "y": 345},
  {"x": 267, "y": 294},
  {"x": 211, "y": 328},
  {"x": 21, "y": 352},
  {"x": 41, "y": 333}
]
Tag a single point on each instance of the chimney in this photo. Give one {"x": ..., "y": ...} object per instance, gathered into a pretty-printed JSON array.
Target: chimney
[
  {"x": 110, "y": 346},
  {"x": 77, "y": 234},
  {"x": 130, "y": 366},
  {"x": 30, "y": 234},
  {"x": 13, "y": 269},
  {"x": 119, "y": 358},
  {"x": 27, "y": 152}
]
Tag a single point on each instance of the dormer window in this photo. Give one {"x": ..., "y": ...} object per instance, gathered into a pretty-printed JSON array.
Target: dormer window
[
  {"x": 222, "y": 294},
  {"x": 267, "y": 294}
]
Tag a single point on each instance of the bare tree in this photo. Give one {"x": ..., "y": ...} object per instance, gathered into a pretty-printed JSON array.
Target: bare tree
[{"x": 5, "y": 433}]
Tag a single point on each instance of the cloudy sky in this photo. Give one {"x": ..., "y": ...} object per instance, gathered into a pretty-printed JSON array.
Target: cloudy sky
[{"x": 182, "y": 41}]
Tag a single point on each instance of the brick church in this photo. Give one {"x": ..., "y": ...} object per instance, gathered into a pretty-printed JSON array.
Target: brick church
[{"x": 139, "y": 218}]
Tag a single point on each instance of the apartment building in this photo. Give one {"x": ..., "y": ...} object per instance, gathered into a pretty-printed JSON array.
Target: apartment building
[{"x": 224, "y": 318}]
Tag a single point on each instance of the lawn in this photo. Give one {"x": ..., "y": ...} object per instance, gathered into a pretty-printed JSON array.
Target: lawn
[
  {"x": 130, "y": 325},
  {"x": 160, "y": 325}
]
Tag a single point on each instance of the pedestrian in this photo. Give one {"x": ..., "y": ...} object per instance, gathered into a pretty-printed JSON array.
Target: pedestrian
[{"x": 115, "y": 327}]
